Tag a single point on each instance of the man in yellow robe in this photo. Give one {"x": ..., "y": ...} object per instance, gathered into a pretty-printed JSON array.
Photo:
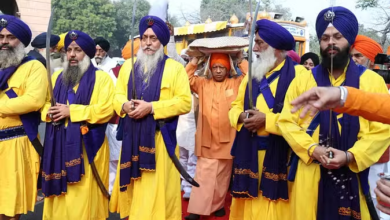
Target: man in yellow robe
[
  {"x": 23, "y": 87},
  {"x": 326, "y": 188},
  {"x": 147, "y": 185},
  {"x": 256, "y": 168},
  {"x": 75, "y": 141}
]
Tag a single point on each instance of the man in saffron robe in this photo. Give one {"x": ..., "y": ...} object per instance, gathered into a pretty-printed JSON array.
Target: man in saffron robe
[
  {"x": 147, "y": 185},
  {"x": 214, "y": 137},
  {"x": 273, "y": 71},
  {"x": 84, "y": 106},
  {"x": 23, "y": 87},
  {"x": 335, "y": 188}
]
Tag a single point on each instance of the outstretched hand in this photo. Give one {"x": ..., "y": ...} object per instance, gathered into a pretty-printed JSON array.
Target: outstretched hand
[{"x": 317, "y": 99}]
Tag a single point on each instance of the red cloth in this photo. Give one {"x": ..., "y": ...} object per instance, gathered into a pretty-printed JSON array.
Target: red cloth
[
  {"x": 220, "y": 58},
  {"x": 294, "y": 56},
  {"x": 115, "y": 118}
]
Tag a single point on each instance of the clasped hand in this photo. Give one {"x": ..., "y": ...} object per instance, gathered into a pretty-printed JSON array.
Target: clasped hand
[
  {"x": 59, "y": 112},
  {"x": 339, "y": 159},
  {"x": 141, "y": 108},
  {"x": 254, "y": 122}
]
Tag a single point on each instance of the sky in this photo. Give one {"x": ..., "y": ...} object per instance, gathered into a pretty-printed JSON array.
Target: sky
[{"x": 308, "y": 9}]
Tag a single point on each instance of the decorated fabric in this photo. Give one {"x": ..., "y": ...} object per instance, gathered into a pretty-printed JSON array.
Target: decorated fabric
[
  {"x": 17, "y": 27},
  {"x": 342, "y": 19},
  {"x": 138, "y": 146},
  {"x": 245, "y": 163},
  {"x": 63, "y": 161}
]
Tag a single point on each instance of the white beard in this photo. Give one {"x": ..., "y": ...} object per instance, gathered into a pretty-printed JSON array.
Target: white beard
[
  {"x": 12, "y": 57},
  {"x": 149, "y": 62},
  {"x": 263, "y": 63}
]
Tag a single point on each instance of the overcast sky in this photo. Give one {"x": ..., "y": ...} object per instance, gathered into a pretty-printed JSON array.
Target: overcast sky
[{"x": 308, "y": 9}]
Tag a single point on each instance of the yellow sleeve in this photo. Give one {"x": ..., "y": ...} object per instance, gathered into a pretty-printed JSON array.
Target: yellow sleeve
[
  {"x": 238, "y": 105},
  {"x": 271, "y": 119},
  {"x": 179, "y": 101},
  {"x": 288, "y": 123},
  {"x": 100, "y": 110},
  {"x": 47, "y": 105},
  {"x": 34, "y": 92},
  {"x": 120, "y": 94},
  {"x": 374, "y": 137}
]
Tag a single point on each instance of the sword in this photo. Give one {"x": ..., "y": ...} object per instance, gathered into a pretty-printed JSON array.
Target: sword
[
  {"x": 250, "y": 59},
  {"x": 133, "y": 92},
  {"x": 48, "y": 69}
]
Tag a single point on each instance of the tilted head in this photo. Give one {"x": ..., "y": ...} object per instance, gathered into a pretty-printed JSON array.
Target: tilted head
[
  {"x": 220, "y": 66},
  {"x": 102, "y": 48},
  {"x": 15, "y": 35},
  {"x": 271, "y": 43},
  {"x": 364, "y": 51},
  {"x": 310, "y": 60},
  {"x": 337, "y": 28}
]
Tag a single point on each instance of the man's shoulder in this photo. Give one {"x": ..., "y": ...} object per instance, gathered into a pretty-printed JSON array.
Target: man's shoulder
[
  {"x": 372, "y": 81},
  {"x": 32, "y": 65}
]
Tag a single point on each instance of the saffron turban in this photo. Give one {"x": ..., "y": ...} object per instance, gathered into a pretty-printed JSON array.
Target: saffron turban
[
  {"x": 343, "y": 20},
  {"x": 61, "y": 43},
  {"x": 103, "y": 43},
  {"x": 275, "y": 35},
  {"x": 158, "y": 26},
  {"x": 126, "y": 52},
  {"x": 294, "y": 56},
  {"x": 17, "y": 27},
  {"x": 83, "y": 40},
  {"x": 40, "y": 40},
  {"x": 220, "y": 58},
  {"x": 314, "y": 57},
  {"x": 367, "y": 46}
]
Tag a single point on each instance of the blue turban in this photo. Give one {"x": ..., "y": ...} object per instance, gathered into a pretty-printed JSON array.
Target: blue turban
[
  {"x": 159, "y": 27},
  {"x": 17, "y": 27},
  {"x": 83, "y": 40},
  {"x": 343, "y": 20},
  {"x": 275, "y": 35},
  {"x": 40, "y": 40}
]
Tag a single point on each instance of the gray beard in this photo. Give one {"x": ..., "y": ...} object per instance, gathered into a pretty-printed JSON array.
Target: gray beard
[
  {"x": 12, "y": 56},
  {"x": 71, "y": 75},
  {"x": 148, "y": 63}
]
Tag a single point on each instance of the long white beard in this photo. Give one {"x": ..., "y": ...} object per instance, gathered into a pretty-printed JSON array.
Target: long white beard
[
  {"x": 263, "y": 63},
  {"x": 149, "y": 62},
  {"x": 12, "y": 57},
  {"x": 71, "y": 75}
]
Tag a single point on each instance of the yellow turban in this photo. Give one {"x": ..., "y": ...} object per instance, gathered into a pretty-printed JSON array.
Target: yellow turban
[{"x": 61, "y": 43}]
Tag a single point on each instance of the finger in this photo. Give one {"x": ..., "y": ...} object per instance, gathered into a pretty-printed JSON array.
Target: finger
[
  {"x": 59, "y": 118},
  {"x": 383, "y": 187},
  {"x": 306, "y": 96},
  {"x": 305, "y": 110},
  {"x": 382, "y": 197},
  {"x": 296, "y": 108},
  {"x": 53, "y": 112},
  {"x": 383, "y": 209}
]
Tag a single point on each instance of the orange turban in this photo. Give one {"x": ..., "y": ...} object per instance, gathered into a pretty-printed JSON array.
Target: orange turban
[
  {"x": 126, "y": 52},
  {"x": 367, "y": 46},
  {"x": 220, "y": 58}
]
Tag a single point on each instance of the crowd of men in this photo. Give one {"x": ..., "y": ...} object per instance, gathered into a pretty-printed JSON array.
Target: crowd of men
[{"x": 111, "y": 130}]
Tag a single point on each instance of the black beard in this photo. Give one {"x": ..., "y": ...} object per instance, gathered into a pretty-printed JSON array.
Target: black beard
[
  {"x": 71, "y": 76},
  {"x": 340, "y": 60}
]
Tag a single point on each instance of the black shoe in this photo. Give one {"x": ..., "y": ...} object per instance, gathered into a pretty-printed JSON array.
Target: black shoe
[
  {"x": 192, "y": 217},
  {"x": 220, "y": 213}
]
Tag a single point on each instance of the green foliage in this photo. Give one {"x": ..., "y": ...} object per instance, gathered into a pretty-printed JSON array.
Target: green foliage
[
  {"x": 94, "y": 17},
  {"x": 314, "y": 44}
]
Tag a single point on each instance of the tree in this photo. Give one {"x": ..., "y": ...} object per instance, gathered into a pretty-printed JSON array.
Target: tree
[
  {"x": 94, "y": 17},
  {"x": 123, "y": 19},
  {"x": 314, "y": 44}
]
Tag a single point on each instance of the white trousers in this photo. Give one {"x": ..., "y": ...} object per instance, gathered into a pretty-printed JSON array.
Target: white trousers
[{"x": 188, "y": 161}]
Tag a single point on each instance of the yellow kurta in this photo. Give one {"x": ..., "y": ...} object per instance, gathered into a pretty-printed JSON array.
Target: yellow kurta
[
  {"x": 156, "y": 195},
  {"x": 19, "y": 161},
  {"x": 261, "y": 207},
  {"x": 373, "y": 140},
  {"x": 84, "y": 200}
]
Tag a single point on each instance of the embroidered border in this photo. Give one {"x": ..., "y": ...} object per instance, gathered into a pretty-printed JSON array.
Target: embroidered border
[
  {"x": 348, "y": 212},
  {"x": 53, "y": 176},
  {"x": 246, "y": 172},
  {"x": 125, "y": 165},
  {"x": 74, "y": 162},
  {"x": 134, "y": 158},
  {"x": 147, "y": 150},
  {"x": 273, "y": 176}
]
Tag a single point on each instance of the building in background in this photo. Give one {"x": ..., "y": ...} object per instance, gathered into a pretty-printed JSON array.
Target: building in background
[{"x": 35, "y": 13}]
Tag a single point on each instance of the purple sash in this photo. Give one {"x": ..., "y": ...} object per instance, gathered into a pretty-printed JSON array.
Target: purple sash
[
  {"x": 30, "y": 120},
  {"x": 63, "y": 161},
  {"x": 138, "y": 146},
  {"x": 245, "y": 149},
  {"x": 338, "y": 195}
]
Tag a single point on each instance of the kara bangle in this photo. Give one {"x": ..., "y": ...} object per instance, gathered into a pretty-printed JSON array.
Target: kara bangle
[
  {"x": 308, "y": 150},
  {"x": 347, "y": 156}
]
